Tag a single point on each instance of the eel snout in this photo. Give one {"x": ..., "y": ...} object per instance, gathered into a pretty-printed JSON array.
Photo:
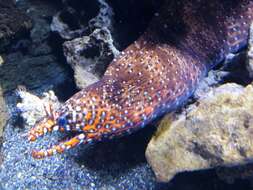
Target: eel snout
[
  {"x": 90, "y": 122},
  {"x": 48, "y": 125}
]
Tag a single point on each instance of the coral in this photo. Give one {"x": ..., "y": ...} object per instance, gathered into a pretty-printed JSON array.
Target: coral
[{"x": 32, "y": 107}]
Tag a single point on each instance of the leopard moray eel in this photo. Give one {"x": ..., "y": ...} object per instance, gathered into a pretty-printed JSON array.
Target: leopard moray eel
[{"x": 154, "y": 75}]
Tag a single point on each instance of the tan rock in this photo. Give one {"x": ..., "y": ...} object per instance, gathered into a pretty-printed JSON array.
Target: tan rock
[{"x": 215, "y": 131}]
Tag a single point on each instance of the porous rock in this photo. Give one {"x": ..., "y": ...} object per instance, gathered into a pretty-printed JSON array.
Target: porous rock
[
  {"x": 89, "y": 56},
  {"x": 13, "y": 23},
  {"x": 215, "y": 131},
  {"x": 79, "y": 18},
  {"x": 90, "y": 49}
]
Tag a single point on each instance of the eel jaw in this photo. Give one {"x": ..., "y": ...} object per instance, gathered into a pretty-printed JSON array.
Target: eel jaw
[
  {"x": 61, "y": 147},
  {"x": 41, "y": 128}
]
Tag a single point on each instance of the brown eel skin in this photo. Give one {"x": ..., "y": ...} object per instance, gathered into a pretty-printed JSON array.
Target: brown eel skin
[{"x": 154, "y": 75}]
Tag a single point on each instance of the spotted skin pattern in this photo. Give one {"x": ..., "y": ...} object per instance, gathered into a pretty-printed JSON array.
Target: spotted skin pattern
[{"x": 155, "y": 74}]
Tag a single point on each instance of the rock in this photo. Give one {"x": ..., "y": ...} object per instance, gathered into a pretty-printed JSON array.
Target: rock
[
  {"x": 40, "y": 34},
  {"x": 127, "y": 27},
  {"x": 13, "y": 23},
  {"x": 78, "y": 18},
  {"x": 231, "y": 174},
  {"x": 215, "y": 131},
  {"x": 31, "y": 61},
  {"x": 32, "y": 72},
  {"x": 215, "y": 77},
  {"x": 41, "y": 41},
  {"x": 3, "y": 114},
  {"x": 250, "y": 52},
  {"x": 89, "y": 56},
  {"x": 1, "y": 61},
  {"x": 232, "y": 70},
  {"x": 91, "y": 48}
]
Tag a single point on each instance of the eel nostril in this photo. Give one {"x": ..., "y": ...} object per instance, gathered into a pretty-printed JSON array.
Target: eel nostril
[{"x": 62, "y": 121}]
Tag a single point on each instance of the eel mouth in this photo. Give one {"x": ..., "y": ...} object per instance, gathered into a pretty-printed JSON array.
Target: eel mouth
[
  {"x": 80, "y": 138},
  {"x": 50, "y": 124}
]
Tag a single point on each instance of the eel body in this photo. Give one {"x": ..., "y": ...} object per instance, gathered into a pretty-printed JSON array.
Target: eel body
[{"x": 155, "y": 74}]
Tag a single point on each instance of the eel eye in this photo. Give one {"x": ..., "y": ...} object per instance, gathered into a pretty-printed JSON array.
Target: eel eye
[{"x": 62, "y": 121}]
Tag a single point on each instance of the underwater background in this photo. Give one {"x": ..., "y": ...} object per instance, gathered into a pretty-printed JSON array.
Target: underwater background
[{"x": 49, "y": 50}]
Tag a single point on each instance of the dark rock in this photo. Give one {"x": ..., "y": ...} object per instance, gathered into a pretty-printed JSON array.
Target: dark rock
[
  {"x": 13, "y": 23},
  {"x": 231, "y": 174},
  {"x": 32, "y": 72},
  {"x": 130, "y": 19},
  {"x": 78, "y": 17},
  {"x": 234, "y": 69},
  {"x": 31, "y": 61}
]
